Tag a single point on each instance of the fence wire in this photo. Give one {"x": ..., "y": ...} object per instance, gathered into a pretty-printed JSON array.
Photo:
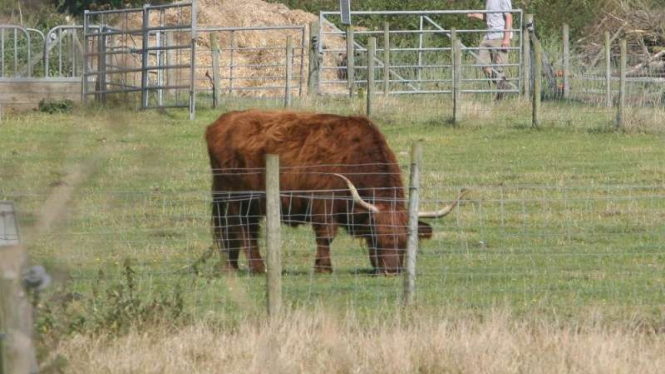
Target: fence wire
[{"x": 543, "y": 245}]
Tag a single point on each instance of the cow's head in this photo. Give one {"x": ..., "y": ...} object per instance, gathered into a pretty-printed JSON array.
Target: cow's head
[{"x": 388, "y": 229}]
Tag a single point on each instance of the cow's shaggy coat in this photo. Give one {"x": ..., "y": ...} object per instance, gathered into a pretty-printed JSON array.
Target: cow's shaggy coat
[{"x": 312, "y": 148}]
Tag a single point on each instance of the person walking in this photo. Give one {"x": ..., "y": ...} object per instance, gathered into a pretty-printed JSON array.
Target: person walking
[{"x": 494, "y": 46}]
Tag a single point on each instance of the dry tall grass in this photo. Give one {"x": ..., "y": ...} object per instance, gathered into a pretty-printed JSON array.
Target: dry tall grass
[{"x": 306, "y": 342}]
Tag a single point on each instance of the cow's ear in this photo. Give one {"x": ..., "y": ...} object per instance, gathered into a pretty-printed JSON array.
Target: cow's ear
[{"x": 424, "y": 230}]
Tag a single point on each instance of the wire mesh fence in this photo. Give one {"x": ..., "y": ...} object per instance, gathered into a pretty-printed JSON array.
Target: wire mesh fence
[
  {"x": 250, "y": 62},
  {"x": 550, "y": 245},
  {"x": 595, "y": 77},
  {"x": 420, "y": 60}
]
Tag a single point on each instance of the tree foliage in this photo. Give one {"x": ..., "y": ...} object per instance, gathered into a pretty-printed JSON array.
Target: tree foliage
[{"x": 77, "y": 7}]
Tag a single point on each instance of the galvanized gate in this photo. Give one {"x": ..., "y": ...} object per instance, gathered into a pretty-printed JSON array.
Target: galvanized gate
[
  {"x": 20, "y": 49},
  {"x": 141, "y": 57},
  {"x": 419, "y": 58}
]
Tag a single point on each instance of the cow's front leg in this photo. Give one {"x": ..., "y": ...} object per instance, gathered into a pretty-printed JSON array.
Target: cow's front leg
[
  {"x": 254, "y": 260},
  {"x": 231, "y": 251}
]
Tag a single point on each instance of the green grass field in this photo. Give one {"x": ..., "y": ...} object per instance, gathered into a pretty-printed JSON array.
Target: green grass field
[{"x": 561, "y": 219}]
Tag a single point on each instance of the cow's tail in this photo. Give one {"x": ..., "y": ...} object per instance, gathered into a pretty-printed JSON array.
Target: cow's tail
[
  {"x": 218, "y": 207},
  {"x": 218, "y": 204}
]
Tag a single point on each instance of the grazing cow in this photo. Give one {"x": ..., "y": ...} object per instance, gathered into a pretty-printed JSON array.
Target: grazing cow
[{"x": 339, "y": 170}]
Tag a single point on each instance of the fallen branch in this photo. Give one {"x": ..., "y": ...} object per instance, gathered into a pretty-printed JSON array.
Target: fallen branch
[{"x": 646, "y": 63}]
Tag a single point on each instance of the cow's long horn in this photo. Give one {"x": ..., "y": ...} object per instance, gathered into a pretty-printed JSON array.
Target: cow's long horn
[
  {"x": 447, "y": 209},
  {"x": 356, "y": 195}
]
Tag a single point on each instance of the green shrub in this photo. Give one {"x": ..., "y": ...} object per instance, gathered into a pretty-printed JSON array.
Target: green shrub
[{"x": 55, "y": 106}]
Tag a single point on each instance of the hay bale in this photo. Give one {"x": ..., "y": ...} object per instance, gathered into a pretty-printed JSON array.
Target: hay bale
[{"x": 237, "y": 13}]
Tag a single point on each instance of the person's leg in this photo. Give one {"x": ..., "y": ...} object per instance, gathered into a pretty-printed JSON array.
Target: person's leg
[
  {"x": 485, "y": 59},
  {"x": 500, "y": 57}
]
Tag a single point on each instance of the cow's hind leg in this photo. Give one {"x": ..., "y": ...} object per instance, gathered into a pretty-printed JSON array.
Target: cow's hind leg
[
  {"x": 225, "y": 238},
  {"x": 239, "y": 229},
  {"x": 325, "y": 234},
  {"x": 233, "y": 242},
  {"x": 242, "y": 233}
]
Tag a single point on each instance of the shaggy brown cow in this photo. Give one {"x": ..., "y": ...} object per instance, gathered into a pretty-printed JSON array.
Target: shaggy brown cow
[{"x": 339, "y": 170}]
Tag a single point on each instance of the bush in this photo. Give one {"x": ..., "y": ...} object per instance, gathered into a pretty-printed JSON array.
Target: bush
[
  {"x": 112, "y": 308},
  {"x": 55, "y": 106}
]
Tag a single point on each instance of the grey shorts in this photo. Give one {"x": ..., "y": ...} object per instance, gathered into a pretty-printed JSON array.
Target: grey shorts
[{"x": 491, "y": 53}]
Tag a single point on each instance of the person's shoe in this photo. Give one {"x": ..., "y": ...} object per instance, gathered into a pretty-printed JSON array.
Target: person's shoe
[{"x": 501, "y": 85}]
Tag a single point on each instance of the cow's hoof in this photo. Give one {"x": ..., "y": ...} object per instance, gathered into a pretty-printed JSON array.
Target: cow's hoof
[
  {"x": 257, "y": 270},
  {"x": 389, "y": 272},
  {"x": 323, "y": 270},
  {"x": 229, "y": 269}
]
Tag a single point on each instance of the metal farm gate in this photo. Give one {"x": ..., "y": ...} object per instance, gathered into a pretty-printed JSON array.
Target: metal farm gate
[
  {"x": 141, "y": 57},
  {"x": 419, "y": 59},
  {"x": 18, "y": 49},
  {"x": 29, "y": 53},
  {"x": 37, "y": 67}
]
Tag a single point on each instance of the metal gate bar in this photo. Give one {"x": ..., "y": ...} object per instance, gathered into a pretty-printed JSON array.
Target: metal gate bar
[{"x": 16, "y": 70}]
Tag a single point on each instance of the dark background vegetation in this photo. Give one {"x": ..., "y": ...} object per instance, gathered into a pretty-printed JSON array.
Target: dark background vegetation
[{"x": 550, "y": 14}]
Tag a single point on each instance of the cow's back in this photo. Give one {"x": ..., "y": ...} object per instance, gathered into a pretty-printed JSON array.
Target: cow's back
[{"x": 311, "y": 146}]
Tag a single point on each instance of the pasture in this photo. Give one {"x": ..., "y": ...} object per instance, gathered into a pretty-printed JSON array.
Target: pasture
[{"x": 563, "y": 222}]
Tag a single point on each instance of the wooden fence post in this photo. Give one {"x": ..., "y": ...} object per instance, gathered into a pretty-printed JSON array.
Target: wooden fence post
[
  {"x": 289, "y": 72},
  {"x": 214, "y": 49},
  {"x": 273, "y": 238},
  {"x": 386, "y": 58},
  {"x": 608, "y": 70},
  {"x": 537, "y": 86},
  {"x": 350, "y": 61},
  {"x": 101, "y": 68},
  {"x": 566, "y": 61},
  {"x": 526, "y": 56},
  {"x": 17, "y": 354},
  {"x": 371, "y": 54},
  {"x": 15, "y": 313},
  {"x": 456, "y": 48},
  {"x": 232, "y": 49},
  {"x": 621, "y": 105},
  {"x": 314, "y": 62},
  {"x": 412, "y": 241}
]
